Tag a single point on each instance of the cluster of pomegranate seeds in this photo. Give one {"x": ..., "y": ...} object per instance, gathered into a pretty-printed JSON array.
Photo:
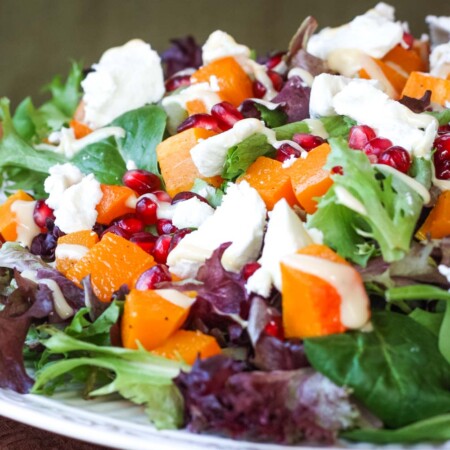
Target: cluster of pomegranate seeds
[
  {"x": 276, "y": 79},
  {"x": 151, "y": 277},
  {"x": 177, "y": 81},
  {"x": 307, "y": 141},
  {"x": 41, "y": 213},
  {"x": 186, "y": 195},
  {"x": 146, "y": 210},
  {"x": 374, "y": 148},
  {"x": 259, "y": 90},
  {"x": 275, "y": 328},
  {"x": 141, "y": 181},
  {"x": 165, "y": 226},
  {"x": 286, "y": 151},
  {"x": 442, "y": 157},
  {"x": 359, "y": 136},
  {"x": 226, "y": 115},
  {"x": 249, "y": 269},
  {"x": 408, "y": 40},
  {"x": 396, "y": 157},
  {"x": 201, "y": 120}
]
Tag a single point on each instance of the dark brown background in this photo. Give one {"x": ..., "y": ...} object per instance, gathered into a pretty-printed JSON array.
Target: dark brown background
[{"x": 38, "y": 37}]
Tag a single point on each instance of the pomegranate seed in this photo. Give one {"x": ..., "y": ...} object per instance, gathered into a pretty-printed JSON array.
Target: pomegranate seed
[
  {"x": 444, "y": 129},
  {"x": 151, "y": 277},
  {"x": 42, "y": 212},
  {"x": 141, "y": 181},
  {"x": 375, "y": 147},
  {"x": 286, "y": 151},
  {"x": 180, "y": 234},
  {"x": 249, "y": 269},
  {"x": 359, "y": 136},
  {"x": 274, "y": 60},
  {"x": 396, "y": 157},
  {"x": 165, "y": 226},
  {"x": 162, "y": 196},
  {"x": 442, "y": 157},
  {"x": 130, "y": 223},
  {"x": 205, "y": 121},
  {"x": 307, "y": 141},
  {"x": 338, "y": 170},
  {"x": 226, "y": 115},
  {"x": 161, "y": 248},
  {"x": 277, "y": 80},
  {"x": 177, "y": 81},
  {"x": 408, "y": 39},
  {"x": 259, "y": 90},
  {"x": 275, "y": 328},
  {"x": 115, "y": 229},
  {"x": 145, "y": 240},
  {"x": 186, "y": 195},
  {"x": 146, "y": 210}
]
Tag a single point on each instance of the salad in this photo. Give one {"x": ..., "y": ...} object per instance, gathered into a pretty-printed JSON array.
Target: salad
[{"x": 251, "y": 246}]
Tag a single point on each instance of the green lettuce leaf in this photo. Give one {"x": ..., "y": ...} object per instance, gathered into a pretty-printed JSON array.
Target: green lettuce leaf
[
  {"x": 271, "y": 117},
  {"x": 337, "y": 126},
  {"x": 443, "y": 117},
  {"x": 287, "y": 131},
  {"x": 213, "y": 195}
]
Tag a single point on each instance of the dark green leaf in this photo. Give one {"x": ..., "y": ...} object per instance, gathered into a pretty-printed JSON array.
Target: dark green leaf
[
  {"x": 103, "y": 160},
  {"x": 396, "y": 371},
  {"x": 444, "y": 334},
  {"x": 417, "y": 292},
  {"x": 144, "y": 129},
  {"x": 22, "y": 120},
  {"x": 271, "y": 117},
  {"x": 429, "y": 320}
]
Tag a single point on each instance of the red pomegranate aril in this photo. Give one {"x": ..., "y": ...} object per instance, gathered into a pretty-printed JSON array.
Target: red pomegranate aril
[
  {"x": 115, "y": 229},
  {"x": 396, "y": 157},
  {"x": 307, "y": 141},
  {"x": 375, "y": 147},
  {"x": 249, "y": 269},
  {"x": 359, "y": 136},
  {"x": 151, "y": 277},
  {"x": 259, "y": 90},
  {"x": 144, "y": 240},
  {"x": 205, "y": 121},
  {"x": 165, "y": 226},
  {"x": 130, "y": 223},
  {"x": 226, "y": 115},
  {"x": 443, "y": 170},
  {"x": 274, "y": 60},
  {"x": 444, "y": 129},
  {"x": 186, "y": 195},
  {"x": 286, "y": 151},
  {"x": 176, "y": 238},
  {"x": 162, "y": 196},
  {"x": 441, "y": 157},
  {"x": 408, "y": 39},
  {"x": 141, "y": 181},
  {"x": 276, "y": 79},
  {"x": 161, "y": 249},
  {"x": 146, "y": 210},
  {"x": 337, "y": 170},
  {"x": 275, "y": 328},
  {"x": 41, "y": 213},
  {"x": 177, "y": 81}
]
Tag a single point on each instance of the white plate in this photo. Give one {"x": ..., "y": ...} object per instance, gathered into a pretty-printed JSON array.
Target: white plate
[{"x": 120, "y": 424}]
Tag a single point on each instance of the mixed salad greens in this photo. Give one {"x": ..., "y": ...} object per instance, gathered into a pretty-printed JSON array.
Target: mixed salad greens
[{"x": 253, "y": 247}]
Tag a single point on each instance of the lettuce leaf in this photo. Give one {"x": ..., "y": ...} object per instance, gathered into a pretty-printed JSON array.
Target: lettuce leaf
[{"x": 392, "y": 208}]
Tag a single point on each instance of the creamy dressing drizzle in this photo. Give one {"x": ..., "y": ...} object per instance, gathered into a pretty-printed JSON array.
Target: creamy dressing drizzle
[
  {"x": 306, "y": 77},
  {"x": 350, "y": 201},
  {"x": 26, "y": 227},
  {"x": 175, "y": 297},
  {"x": 347, "y": 282},
  {"x": 70, "y": 251},
  {"x": 316, "y": 128}
]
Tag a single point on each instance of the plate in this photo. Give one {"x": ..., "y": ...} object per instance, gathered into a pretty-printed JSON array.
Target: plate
[{"x": 116, "y": 423}]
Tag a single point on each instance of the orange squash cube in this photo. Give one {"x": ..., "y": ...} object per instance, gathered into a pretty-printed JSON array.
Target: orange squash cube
[
  {"x": 115, "y": 202},
  {"x": 437, "y": 224},
  {"x": 8, "y": 221}
]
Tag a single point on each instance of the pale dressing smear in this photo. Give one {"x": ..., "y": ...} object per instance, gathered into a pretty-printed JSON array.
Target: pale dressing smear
[
  {"x": 70, "y": 251},
  {"x": 26, "y": 226}
]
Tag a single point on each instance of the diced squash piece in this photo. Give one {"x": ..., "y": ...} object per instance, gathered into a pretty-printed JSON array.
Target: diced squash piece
[
  {"x": 188, "y": 346},
  {"x": 84, "y": 239},
  {"x": 404, "y": 60},
  {"x": 115, "y": 202},
  {"x": 234, "y": 84},
  {"x": 311, "y": 306},
  {"x": 419, "y": 82},
  {"x": 174, "y": 158},
  {"x": 272, "y": 182},
  {"x": 79, "y": 129},
  {"x": 151, "y": 317},
  {"x": 309, "y": 179},
  {"x": 437, "y": 224},
  {"x": 8, "y": 222},
  {"x": 112, "y": 262},
  {"x": 196, "y": 107}
]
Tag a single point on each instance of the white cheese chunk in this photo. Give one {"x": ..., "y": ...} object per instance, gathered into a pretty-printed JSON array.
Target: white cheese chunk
[
  {"x": 240, "y": 219},
  {"x": 440, "y": 61},
  {"x": 220, "y": 45},
  {"x": 191, "y": 213},
  {"x": 375, "y": 33},
  {"x": 125, "y": 78}
]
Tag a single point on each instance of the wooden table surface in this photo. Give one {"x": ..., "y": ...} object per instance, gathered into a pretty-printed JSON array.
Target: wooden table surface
[{"x": 16, "y": 436}]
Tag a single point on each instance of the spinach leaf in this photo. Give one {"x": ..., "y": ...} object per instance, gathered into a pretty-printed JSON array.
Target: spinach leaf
[
  {"x": 242, "y": 155},
  {"x": 435, "y": 429},
  {"x": 396, "y": 370},
  {"x": 431, "y": 321},
  {"x": 271, "y": 117},
  {"x": 144, "y": 129},
  {"x": 103, "y": 160}
]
